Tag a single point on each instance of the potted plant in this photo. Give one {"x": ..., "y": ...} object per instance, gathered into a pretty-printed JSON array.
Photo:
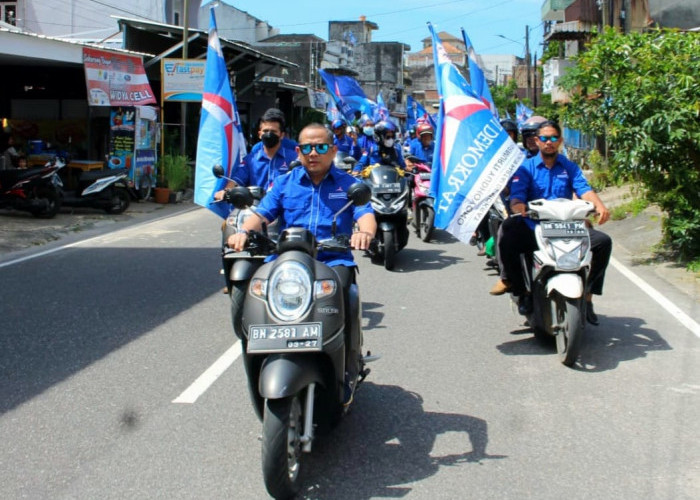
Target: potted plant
[{"x": 175, "y": 175}]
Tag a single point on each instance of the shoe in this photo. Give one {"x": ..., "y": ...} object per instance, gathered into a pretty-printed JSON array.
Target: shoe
[
  {"x": 225, "y": 290},
  {"x": 472, "y": 241},
  {"x": 525, "y": 304},
  {"x": 492, "y": 262},
  {"x": 481, "y": 252},
  {"x": 591, "y": 316},
  {"x": 501, "y": 287}
]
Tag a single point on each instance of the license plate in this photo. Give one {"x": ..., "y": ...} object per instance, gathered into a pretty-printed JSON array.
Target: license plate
[
  {"x": 284, "y": 338},
  {"x": 391, "y": 187},
  {"x": 563, "y": 229},
  {"x": 424, "y": 176}
]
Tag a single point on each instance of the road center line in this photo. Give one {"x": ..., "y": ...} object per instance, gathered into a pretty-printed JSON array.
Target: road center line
[
  {"x": 206, "y": 379},
  {"x": 672, "y": 308}
]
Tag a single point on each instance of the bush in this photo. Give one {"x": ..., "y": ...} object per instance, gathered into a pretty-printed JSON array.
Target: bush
[{"x": 176, "y": 172}]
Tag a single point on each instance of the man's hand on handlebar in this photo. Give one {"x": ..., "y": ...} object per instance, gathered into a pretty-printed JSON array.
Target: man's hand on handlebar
[
  {"x": 238, "y": 241},
  {"x": 360, "y": 240}
]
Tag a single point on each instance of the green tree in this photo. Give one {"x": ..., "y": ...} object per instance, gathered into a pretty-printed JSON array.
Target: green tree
[{"x": 641, "y": 91}]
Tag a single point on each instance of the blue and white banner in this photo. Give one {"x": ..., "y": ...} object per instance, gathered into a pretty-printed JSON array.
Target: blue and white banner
[
  {"x": 477, "y": 78},
  {"x": 382, "y": 112},
  {"x": 474, "y": 156},
  {"x": 522, "y": 113},
  {"x": 220, "y": 140}
]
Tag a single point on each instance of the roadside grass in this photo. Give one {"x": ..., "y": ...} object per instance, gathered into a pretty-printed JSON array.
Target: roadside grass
[{"x": 631, "y": 208}]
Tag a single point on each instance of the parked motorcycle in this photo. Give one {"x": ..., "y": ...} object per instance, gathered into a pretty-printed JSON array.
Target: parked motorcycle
[
  {"x": 302, "y": 345},
  {"x": 556, "y": 274},
  {"x": 390, "y": 203},
  {"x": 423, "y": 204},
  {"x": 34, "y": 190},
  {"x": 104, "y": 189}
]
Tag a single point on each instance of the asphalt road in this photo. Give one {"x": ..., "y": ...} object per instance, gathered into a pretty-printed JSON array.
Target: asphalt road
[{"x": 99, "y": 339}]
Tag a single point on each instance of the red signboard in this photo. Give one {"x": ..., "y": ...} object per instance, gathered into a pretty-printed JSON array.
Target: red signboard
[{"x": 115, "y": 79}]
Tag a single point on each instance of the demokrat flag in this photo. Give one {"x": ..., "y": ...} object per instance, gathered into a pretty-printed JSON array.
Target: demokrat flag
[
  {"x": 477, "y": 78},
  {"x": 220, "y": 140},
  {"x": 348, "y": 95},
  {"x": 474, "y": 156}
]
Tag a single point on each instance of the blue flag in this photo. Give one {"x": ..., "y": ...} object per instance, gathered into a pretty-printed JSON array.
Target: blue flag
[
  {"x": 474, "y": 156},
  {"x": 332, "y": 112},
  {"x": 348, "y": 95},
  {"x": 522, "y": 113},
  {"x": 381, "y": 112},
  {"x": 220, "y": 140},
  {"x": 477, "y": 78},
  {"x": 416, "y": 114}
]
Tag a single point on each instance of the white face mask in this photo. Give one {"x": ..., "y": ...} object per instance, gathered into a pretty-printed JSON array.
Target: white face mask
[{"x": 388, "y": 142}]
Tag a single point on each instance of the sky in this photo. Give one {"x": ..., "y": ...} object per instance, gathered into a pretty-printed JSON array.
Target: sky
[{"x": 405, "y": 20}]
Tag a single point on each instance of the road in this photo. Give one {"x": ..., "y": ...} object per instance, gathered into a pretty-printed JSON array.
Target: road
[{"x": 100, "y": 338}]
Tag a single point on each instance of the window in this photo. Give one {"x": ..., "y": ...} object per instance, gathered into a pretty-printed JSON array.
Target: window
[{"x": 8, "y": 12}]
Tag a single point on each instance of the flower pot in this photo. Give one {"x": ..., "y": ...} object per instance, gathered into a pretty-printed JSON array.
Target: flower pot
[{"x": 161, "y": 195}]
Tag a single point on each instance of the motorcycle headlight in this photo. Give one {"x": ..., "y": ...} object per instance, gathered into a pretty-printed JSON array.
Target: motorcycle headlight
[
  {"x": 289, "y": 291},
  {"x": 567, "y": 258}
]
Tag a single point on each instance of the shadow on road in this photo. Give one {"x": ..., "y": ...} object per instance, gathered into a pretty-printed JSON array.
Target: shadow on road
[
  {"x": 387, "y": 441},
  {"x": 615, "y": 340},
  {"x": 64, "y": 322}
]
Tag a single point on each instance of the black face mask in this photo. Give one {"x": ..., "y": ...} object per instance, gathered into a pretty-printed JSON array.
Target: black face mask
[{"x": 270, "y": 139}]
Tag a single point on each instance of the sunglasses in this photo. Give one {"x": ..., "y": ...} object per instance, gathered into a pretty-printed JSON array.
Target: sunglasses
[
  {"x": 321, "y": 149},
  {"x": 545, "y": 138}
]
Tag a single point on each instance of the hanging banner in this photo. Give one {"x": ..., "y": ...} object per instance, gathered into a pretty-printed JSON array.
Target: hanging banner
[
  {"x": 115, "y": 79},
  {"x": 183, "y": 79}
]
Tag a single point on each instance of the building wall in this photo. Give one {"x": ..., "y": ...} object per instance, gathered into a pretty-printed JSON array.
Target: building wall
[
  {"x": 380, "y": 67},
  {"x": 83, "y": 19},
  {"x": 235, "y": 24}
]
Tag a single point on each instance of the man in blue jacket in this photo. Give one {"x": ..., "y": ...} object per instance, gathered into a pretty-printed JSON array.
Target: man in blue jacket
[{"x": 548, "y": 175}]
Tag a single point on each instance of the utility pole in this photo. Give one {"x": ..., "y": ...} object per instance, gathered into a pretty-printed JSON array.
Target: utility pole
[
  {"x": 183, "y": 105},
  {"x": 527, "y": 59}
]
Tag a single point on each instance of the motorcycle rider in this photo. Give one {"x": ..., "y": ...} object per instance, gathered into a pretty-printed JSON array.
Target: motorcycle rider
[
  {"x": 548, "y": 175},
  {"x": 264, "y": 163},
  {"x": 366, "y": 139},
  {"x": 385, "y": 150},
  {"x": 423, "y": 147},
  {"x": 343, "y": 141},
  {"x": 529, "y": 132},
  {"x": 307, "y": 197}
]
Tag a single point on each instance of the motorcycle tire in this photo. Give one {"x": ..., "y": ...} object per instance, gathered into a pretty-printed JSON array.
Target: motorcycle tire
[
  {"x": 144, "y": 190},
  {"x": 53, "y": 203},
  {"x": 416, "y": 220},
  {"x": 389, "y": 250},
  {"x": 427, "y": 223},
  {"x": 119, "y": 202},
  {"x": 237, "y": 296},
  {"x": 281, "y": 446},
  {"x": 571, "y": 321}
]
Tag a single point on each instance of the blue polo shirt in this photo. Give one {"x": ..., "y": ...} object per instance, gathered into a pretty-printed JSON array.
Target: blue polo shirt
[
  {"x": 425, "y": 153},
  {"x": 365, "y": 142},
  {"x": 297, "y": 202},
  {"x": 259, "y": 170},
  {"x": 375, "y": 156},
  {"x": 533, "y": 181},
  {"x": 347, "y": 146}
]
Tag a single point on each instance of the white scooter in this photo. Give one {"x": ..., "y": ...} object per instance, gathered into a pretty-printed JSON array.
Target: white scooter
[{"x": 556, "y": 274}]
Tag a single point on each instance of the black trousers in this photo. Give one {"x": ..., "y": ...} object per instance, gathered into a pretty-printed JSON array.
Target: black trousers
[{"x": 516, "y": 237}]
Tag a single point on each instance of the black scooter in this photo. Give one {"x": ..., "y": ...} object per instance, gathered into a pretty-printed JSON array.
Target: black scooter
[
  {"x": 103, "y": 189},
  {"x": 34, "y": 190},
  {"x": 390, "y": 197},
  {"x": 302, "y": 341}
]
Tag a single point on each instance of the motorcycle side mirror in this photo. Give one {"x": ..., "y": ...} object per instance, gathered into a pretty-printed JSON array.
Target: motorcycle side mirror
[
  {"x": 239, "y": 197},
  {"x": 349, "y": 160},
  {"x": 413, "y": 159},
  {"x": 359, "y": 193},
  {"x": 218, "y": 171}
]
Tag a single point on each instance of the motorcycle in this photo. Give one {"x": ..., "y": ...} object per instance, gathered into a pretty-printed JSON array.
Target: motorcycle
[
  {"x": 556, "y": 274},
  {"x": 302, "y": 341},
  {"x": 423, "y": 204},
  {"x": 390, "y": 203},
  {"x": 238, "y": 267},
  {"x": 34, "y": 190},
  {"x": 496, "y": 215},
  {"x": 104, "y": 189}
]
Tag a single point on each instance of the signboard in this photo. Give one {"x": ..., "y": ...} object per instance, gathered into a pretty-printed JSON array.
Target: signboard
[
  {"x": 183, "y": 80},
  {"x": 115, "y": 79}
]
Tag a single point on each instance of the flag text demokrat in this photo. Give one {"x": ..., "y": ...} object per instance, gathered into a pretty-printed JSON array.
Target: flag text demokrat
[{"x": 475, "y": 156}]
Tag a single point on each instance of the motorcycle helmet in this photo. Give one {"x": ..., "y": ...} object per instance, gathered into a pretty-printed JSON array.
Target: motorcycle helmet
[
  {"x": 381, "y": 129},
  {"x": 337, "y": 124},
  {"x": 531, "y": 125},
  {"x": 509, "y": 126},
  {"x": 424, "y": 128}
]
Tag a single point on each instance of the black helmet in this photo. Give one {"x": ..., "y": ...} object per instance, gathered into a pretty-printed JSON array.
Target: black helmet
[
  {"x": 509, "y": 126},
  {"x": 531, "y": 125},
  {"x": 381, "y": 129}
]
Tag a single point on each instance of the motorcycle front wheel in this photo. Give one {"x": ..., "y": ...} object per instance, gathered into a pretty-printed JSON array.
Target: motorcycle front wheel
[
  {"x": 570, "y": 319},
  {"x": 389, "y": 250},
  {"x": 119, "y": 202},
  {"x": 53, "y": 202},
  {"x": 427, "y": 223},
  {"x": 281, "y": 446}
]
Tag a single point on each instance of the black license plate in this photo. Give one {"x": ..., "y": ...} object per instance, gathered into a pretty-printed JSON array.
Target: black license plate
[
  {"x": 283, "y": 338},
  {"x": 388, "y": 188}
]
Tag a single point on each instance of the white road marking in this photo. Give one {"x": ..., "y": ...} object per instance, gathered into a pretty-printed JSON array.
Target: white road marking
[
  {"x": 206, "y": 379},
  {"x": 672, "y": 308}
]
